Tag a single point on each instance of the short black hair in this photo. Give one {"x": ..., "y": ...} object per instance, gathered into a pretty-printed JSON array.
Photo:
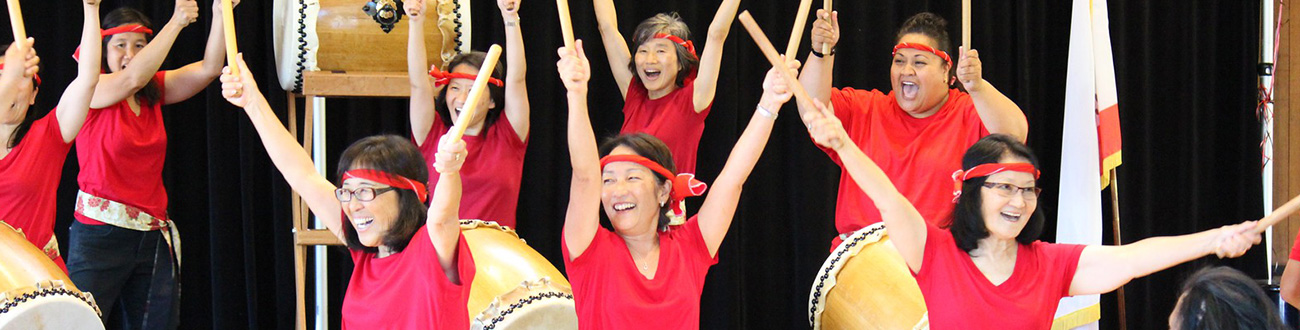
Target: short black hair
[
  {"x": 123, "y": 16},
  {"x": 931, "y": 25},
  {"x": 1222, "y": 298},
  {"x": 650, "y": 147},
  {"x": 395, "y": 155},
  {"x": 474, "y": 59},
  {"x": 967, "y": 225}
]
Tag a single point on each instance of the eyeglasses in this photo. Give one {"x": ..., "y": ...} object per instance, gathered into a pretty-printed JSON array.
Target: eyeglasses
[
  {"x": 364, "y": 194},
  {"x": 1007, "y": 190}
]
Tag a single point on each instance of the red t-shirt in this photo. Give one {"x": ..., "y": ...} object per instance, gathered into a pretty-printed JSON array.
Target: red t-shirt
[
  {"x": 30, "y": 175},
  {"x": 492, "y": 172},
  {"x": 610, "y": 293},
  {"x": 1295, "y": 248},
  {"x": 671, "y": 118},
  {"x": 958, "y": 296},
  {"x": 918, "y": 154},
  {"x": 408, "y": 289},
  {"x": 122, "y": 154}
]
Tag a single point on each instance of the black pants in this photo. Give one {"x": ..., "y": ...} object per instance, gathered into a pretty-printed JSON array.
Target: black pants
[{"x": 130, "y": 273}]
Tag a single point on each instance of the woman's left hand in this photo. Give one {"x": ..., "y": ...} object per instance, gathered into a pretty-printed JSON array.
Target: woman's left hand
[
  {"x": 509, "y": 7},
  {"x": 216, "y": 6},
  {"x": 1234, "y": 240},
  {"x": 450, "y": 156},
  {"x": 970, "y": 71},
  {"x": 776, "y": 92}
]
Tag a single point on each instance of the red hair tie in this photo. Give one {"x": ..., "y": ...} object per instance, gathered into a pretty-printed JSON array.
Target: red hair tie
[
  {"x": 37, "y": 76},
  {"x": 684, "y": 185},
  {"x": 442, "y": 78},
  {"x": 390, "y": 179},
  {"x": 983, "y": 170},
  {"x": 943, "y": 55},
  {"x": 76, "y": 55},
  {"x": 690, "y": 46}
]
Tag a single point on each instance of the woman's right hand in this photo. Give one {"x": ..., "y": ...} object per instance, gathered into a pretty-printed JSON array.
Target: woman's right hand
[
  {"x": 186, "y": 12},
  {"x": 574, "y": 68},
  {"x": 21, "y": 64},
  {"x": 825, "y": 30},
  {"x": 235, "y": 90},
  {"x": 826, "y": 129},
  {"x": 450, "y": 156},
  {"x": 414, "y": 9}
]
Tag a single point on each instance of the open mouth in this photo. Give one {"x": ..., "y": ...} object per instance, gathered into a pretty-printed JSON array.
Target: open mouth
[
  {"x": 620, "y": 207},
  {"x": 651, "y": 74},
  {"x": 363, "y": 223},
  {"x": 1011, "y": 217},
  {"x": 910, "y": 89}
]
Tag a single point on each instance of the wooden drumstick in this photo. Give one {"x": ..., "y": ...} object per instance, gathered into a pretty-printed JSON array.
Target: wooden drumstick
[
  {"x": 1280, "y": 213},
  {"x": 16, "y": 21},
  {"x": 566, "y": 24},
  {"x": 796, "y": 33},
  {"x": 232, "y": 48},
  {"x": 965, "y": 26},
  {"x": 476, "y": 92},
  {"x": 769, "y": 51},
  {"x": 826, "y": 49}
]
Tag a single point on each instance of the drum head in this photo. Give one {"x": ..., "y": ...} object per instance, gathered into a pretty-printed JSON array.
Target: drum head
[
  {"x": 536, "y": 304},
  {"x": 865, "y": 284},
  {"x": 53, "y": 311}
]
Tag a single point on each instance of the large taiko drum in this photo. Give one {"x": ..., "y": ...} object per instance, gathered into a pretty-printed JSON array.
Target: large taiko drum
[
  {"x": 514, "y": 286},
  {"x": 35, "y": 293},
  {"x": 865, "y": 284},
  {"x": 347, "y": 36}
]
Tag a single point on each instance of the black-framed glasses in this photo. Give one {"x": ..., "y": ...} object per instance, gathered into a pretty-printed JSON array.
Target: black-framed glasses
[
  {"x": 364, "y": 194},
  {"x": 1007, "y": 190}
]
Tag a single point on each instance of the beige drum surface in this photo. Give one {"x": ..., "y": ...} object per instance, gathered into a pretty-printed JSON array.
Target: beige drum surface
[
  {"x": 514, "y": 287},
  {"x": 865, "y": 284},
  {"x": 35, "y": 293},
  {"x": 336, "y": 35}
]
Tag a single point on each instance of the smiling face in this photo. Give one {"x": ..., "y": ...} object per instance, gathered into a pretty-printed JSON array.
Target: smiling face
[
  {"x": 373, "y": 219},
  {"x": 1005, "y": 217},
  {"x": 919, "y": 78},
  {"x": 458, "y": 94},
  {"x": 121, "y": 48},
  {"x": 657, "y": 65},
  {"x": 631, "y": 195}
]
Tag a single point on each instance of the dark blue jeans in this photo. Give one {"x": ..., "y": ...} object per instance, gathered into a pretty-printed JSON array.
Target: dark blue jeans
[{"x": 130, "y": 273}]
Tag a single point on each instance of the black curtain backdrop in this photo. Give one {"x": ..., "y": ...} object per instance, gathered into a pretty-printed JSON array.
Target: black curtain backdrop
[{"x": 1186, "y": 89}]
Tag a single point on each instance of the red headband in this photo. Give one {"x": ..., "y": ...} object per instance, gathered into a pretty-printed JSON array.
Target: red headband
[
  {"x": 690, "y": 46},
  {"x": 443, "y": 78},
  {"x": 684, "y": 185},
  {"x": 37, "y": 76},
  {"x": 76, "y": 55},
  {"x": 943, "y": 55},
  {"x": 986, "y": 170},
  {"x": 393, "y": 180}
]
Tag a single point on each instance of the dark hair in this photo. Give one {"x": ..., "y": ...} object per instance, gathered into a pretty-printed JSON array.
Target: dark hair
[
  {"x": 123, "y": 16},
  {"x": 669, "y": 23},
  {"x": 932, "y": 26},
  {"x": 650, "y": 147},
  {"x": 1222, "y": 298},
  {"x": 474, "y": 59},
  {"x": 28, "y": 118},
  {"x": 396, "y": 155},
  {"x": 967, "y": 225}
]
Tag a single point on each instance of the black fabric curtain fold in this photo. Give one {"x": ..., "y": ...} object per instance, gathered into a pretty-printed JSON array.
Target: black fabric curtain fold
[{"x": 1186, "y": 88}]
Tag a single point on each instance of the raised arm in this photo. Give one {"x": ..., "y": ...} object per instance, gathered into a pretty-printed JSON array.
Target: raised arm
[
  {"x": 75, "y": 102},
  {"x": 183, "y": 83},
  {"x": 719, "y": 208},
  {"x": 517, "y": 108},
  {"x": 19, "y": 67},
  {"x": 287, "y": 155},
  {"x": 999, "y": 113},
  {"x": 706, "y": 80},
  {"x": 906, "y": 226},
  {"x": 582, "y": 218},
  {"x": 417, "y": 62},
  {"x": 816, "y": 75},
  {"x": 1104, "y": 268},
  {"x": 615, "y": 46},
  {"x": 117, "y": 86},
  {"x": 444, "y": 211},
  {"x": 1291, "y": 283}
]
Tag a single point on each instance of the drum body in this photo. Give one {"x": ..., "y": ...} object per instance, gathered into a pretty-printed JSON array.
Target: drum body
[
  {"x": 865, "y": 284},
  {"x": 514, "y": 286},
  {"x": 337, "y": 35},
  {"x": 35, "y": 293}
]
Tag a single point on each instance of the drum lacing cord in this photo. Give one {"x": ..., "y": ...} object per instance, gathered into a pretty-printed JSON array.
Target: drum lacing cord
[
  {"x": 524, "y": 302},
  {"x": 821, "y": 280},
  {"x": 302, "y": 45},
  {"x": 46, "y": 289}
]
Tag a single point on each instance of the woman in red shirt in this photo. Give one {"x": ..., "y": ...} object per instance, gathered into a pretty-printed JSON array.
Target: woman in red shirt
[
  {"x": 667, "y": 88},
  {"x": 123, "y": 246},
  {"x": 988, "y": 270},
  {"x": 412, "y": 268},
  {"x": 645, "y": 274},
  {"x": 497, "y": 136},
  {"x": 918, "y": 130},
  {"x": 31, "y": 163}
]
